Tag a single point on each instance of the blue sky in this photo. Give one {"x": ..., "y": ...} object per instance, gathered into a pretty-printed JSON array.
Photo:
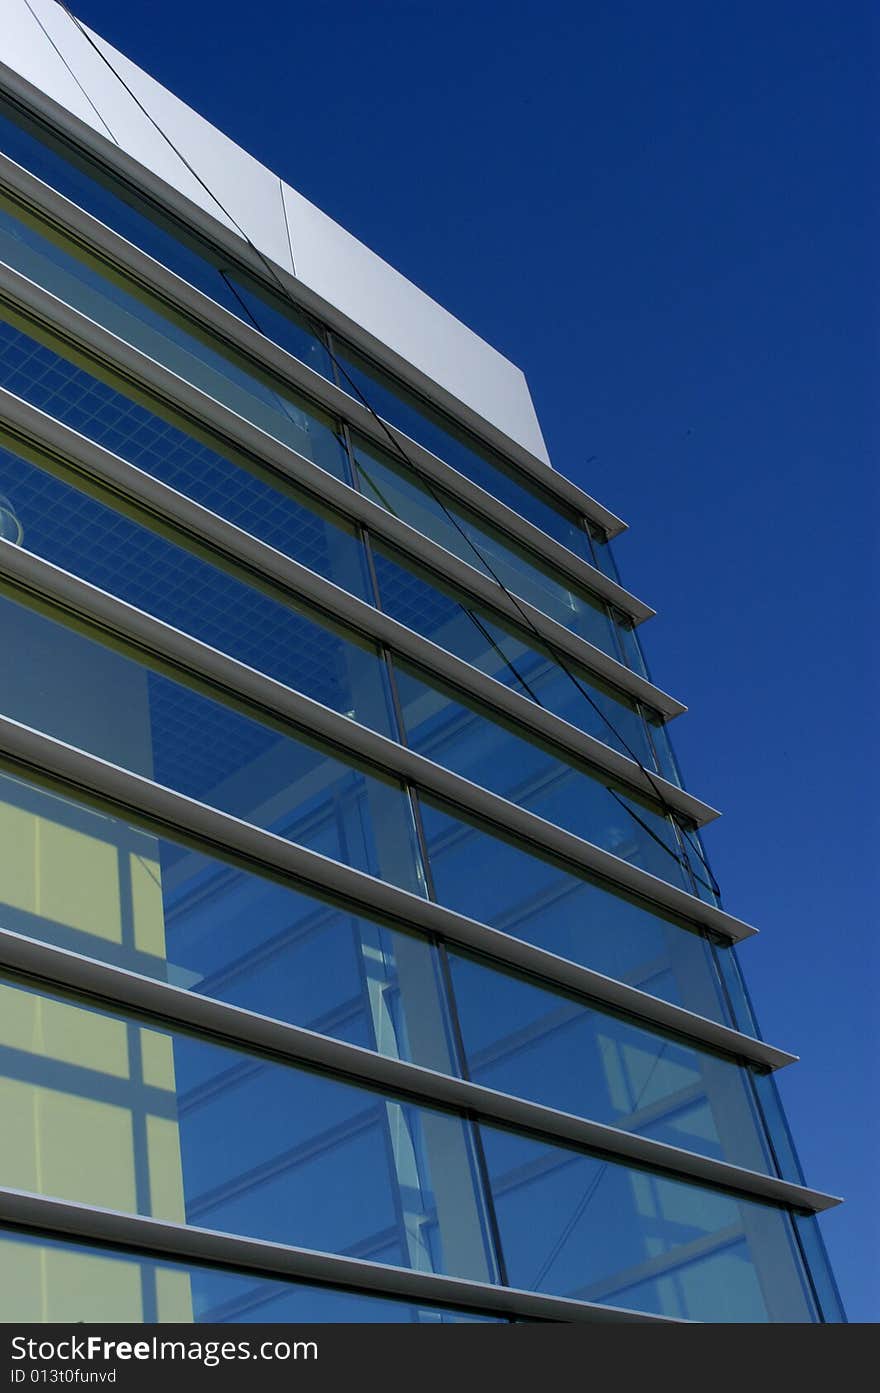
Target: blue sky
[{"x": 662, "y": 213}]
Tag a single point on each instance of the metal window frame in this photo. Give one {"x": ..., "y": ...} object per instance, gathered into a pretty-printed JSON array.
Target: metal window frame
[
  {"x": 268, "y": 699},
  {"x": 41, "y": 309},
  {"x": 140, "y": 1236},
  {"x": 71, "y": 772},
  {"x": 150, "y": 188},
  {"x": 36, "y": 434},
  {"x": 167, "y": 1006},
  {"x": 241, "y": 338}
]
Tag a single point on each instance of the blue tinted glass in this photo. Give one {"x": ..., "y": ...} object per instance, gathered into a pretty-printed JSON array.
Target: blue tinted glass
[
  {"x": 602, "y": 554},
  {"x": 578, "y": 918},
  {"x": 148, "y": 904},
  {"x": 397, "y": 489},
  {"x": 600, "y": 1231},
  {"x": 442, "y": 437},
  {"x": 81, "y": 180},
  {"x": 704, "y": 883},
  {"x": 91, "y": 696},
  {"x": 559, "y": 1052},
  {"x": 630, "y": 646},
  {"x": 594, "y": 808},
  {"x": 468, "y": 632},
  {"x": 281, "y": 323},
  {"x": 781, "y": 1140},
  {"x": 88, "y": 186},
  {"x": 734, "y": 987},
  {"x": 664, "y": 754},
  {"x": 257, "y": 501},
  {"x": 824, "y": 1286},
  {"x": 53, "y": 1280},
  {"x": 108, "y": 1112},
  {"x": 81, "y": 535},
  {"x": 281, "y": 413}
]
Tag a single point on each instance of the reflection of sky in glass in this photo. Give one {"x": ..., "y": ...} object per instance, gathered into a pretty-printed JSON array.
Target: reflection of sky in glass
[{"x": 190, "y": 1131}]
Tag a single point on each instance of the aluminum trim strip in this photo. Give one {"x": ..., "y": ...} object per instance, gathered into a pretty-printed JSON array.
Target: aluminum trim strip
[
  {"x": 26, "y": 428},
  {"x": 345, "y": 737},
  {"x": 231, "y": 244},
  {"x": 167, "y": 1005},
  {"x": 21, "y": 295},
  {"x": 152, "y": 1237},
  {"x": 244, "y": 339},
  {"x": 35, "y": 756}
]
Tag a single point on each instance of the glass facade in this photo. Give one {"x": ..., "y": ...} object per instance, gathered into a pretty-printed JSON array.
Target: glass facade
[
  {"x": 139, "y": 1115},
  {"x": 70, "y": 1282}
]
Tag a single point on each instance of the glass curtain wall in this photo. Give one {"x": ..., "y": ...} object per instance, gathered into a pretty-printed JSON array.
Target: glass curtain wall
[{"x": 105, "y": 1110}]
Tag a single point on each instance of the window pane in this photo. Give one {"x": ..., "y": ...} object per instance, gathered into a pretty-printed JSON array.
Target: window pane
[
  {"x": 94, "y": 189},
  {"x": 279, "y": 320},
  {"x": 389, "y": 483},
  {"x": 280, "y": 412},
  {"x": 95, "y": 885},
  {"x": 554, "y": 1050},
  {"x": 631, "y": 646},
  {"x": 94, "y": 697},
  {"x": 81, "y": 535},
  {"x": 734, "y": 988},
  {"x": 592, "y": 807},
  {"x": 103, "y": 1111},
  {"x": 439, "y": 434},
  {"x": 582, "y": 919},
  {"x": 603, "y": 557},
  {"x": 448, "y": 620},
  {"x": 600, "y": 1231},
  {"x": 664, "y": 755},
  {"x": 259, "y": 502},
  {"x": 53, "y": 1280},
  {"x": 824, "y": 1286},
  {"x": 83, "y": 181}
]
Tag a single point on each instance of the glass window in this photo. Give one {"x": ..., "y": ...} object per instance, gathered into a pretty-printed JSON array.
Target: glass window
[
  {"x": 630, "y": 646},
  {"x": 597, "y": 1230},
  {"x": 664, "y": 755},
  {"x": 101, "y": 1110},
  {"x": 735, "y": 990},
  {"x": 597, "y": 1064},
  {"x": 258, "y": 501},
  {"x": 705, "y": 885},
  {"x": 81, "y": 535},
  {"x": 414, "y": 416},
  {"x": 57, "y": 1281},
  {"x": 389, "y": 483},
  {"x": 786, "y": 1157},
  {"x": 449, "y": 620},
  {"x": 602, "y": 555},
  {"x": 84, "y": 182},
  {"x": 78, "y": 690},
  {"x": 580, "y": 918},
  {"x": 96, "y": 885},
  {"x": 821, "y": 1274},
  {"x": 280, "y": 321},
  {"x": 280, "y": 412},
  {"x": 130, "y": 213},
  {"x": 591, "y": 806}
]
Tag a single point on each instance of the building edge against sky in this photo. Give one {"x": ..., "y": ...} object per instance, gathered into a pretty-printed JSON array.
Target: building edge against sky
[{"x": 359, "y": 956}]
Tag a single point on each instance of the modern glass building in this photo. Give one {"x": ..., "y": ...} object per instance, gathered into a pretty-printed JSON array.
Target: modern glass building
[{"x": 359, "y": 959}]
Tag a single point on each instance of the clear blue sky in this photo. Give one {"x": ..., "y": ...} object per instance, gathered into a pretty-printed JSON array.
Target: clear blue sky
[{"x": 662, "y": 213}]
